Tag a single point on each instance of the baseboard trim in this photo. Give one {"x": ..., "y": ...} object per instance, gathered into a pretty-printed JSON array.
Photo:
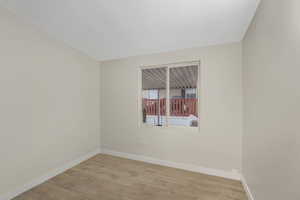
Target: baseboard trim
[
  {"x": 48, "y": 176},
  {"x": 247, "y": 189},
  {"x": 214, "y": 172}
]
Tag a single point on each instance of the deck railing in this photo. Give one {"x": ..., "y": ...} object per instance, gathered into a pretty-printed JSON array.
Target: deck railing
[{"x": 178, "y": 107}]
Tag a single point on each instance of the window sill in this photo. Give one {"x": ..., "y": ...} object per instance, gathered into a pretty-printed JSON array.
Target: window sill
[{"x": 169, "y": 127}]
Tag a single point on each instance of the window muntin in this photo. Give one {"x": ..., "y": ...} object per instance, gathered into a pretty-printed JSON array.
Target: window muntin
[{"x": 170, "y": 95}]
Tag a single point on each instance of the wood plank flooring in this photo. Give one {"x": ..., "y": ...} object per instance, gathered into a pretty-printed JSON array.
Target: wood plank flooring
[{"x": 106, "y": 177}]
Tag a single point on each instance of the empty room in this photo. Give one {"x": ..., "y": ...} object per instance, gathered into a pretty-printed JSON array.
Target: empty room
[{"x": 149, "y": 99}]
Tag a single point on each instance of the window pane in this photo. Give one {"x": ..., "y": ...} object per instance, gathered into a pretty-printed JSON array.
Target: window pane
[
  {"x": 154, "y": 96},
  {"x": 183, "y": 96}
]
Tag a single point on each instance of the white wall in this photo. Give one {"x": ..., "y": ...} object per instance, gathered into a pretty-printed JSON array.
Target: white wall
[
  {"x": 49, "y": 104},
  {"x": 217, "y": 145},
  {"x": 271, "y": 141}
]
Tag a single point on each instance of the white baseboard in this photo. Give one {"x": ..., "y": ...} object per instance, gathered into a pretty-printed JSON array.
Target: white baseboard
[
  {"x": 48, "y": 176},
  {"x": 247, "y": 189},
  {"x": 214, "y": 172}
]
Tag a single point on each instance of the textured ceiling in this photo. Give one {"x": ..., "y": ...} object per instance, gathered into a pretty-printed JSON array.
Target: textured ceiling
[{"x": 108, "y": 29}]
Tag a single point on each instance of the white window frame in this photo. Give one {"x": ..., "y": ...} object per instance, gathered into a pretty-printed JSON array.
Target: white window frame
[{"x": 168, "y": 66}]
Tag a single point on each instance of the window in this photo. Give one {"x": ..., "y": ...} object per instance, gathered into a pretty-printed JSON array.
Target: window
[
  {"x": 154, "y": 82},
  {"x": 170, "y": 95}
]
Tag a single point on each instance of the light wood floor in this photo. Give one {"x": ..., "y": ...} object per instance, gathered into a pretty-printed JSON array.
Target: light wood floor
[{"x": 105, "y": 177}]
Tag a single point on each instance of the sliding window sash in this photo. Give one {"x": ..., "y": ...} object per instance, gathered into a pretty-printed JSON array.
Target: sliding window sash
[{"x": 168, "y": 97}]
